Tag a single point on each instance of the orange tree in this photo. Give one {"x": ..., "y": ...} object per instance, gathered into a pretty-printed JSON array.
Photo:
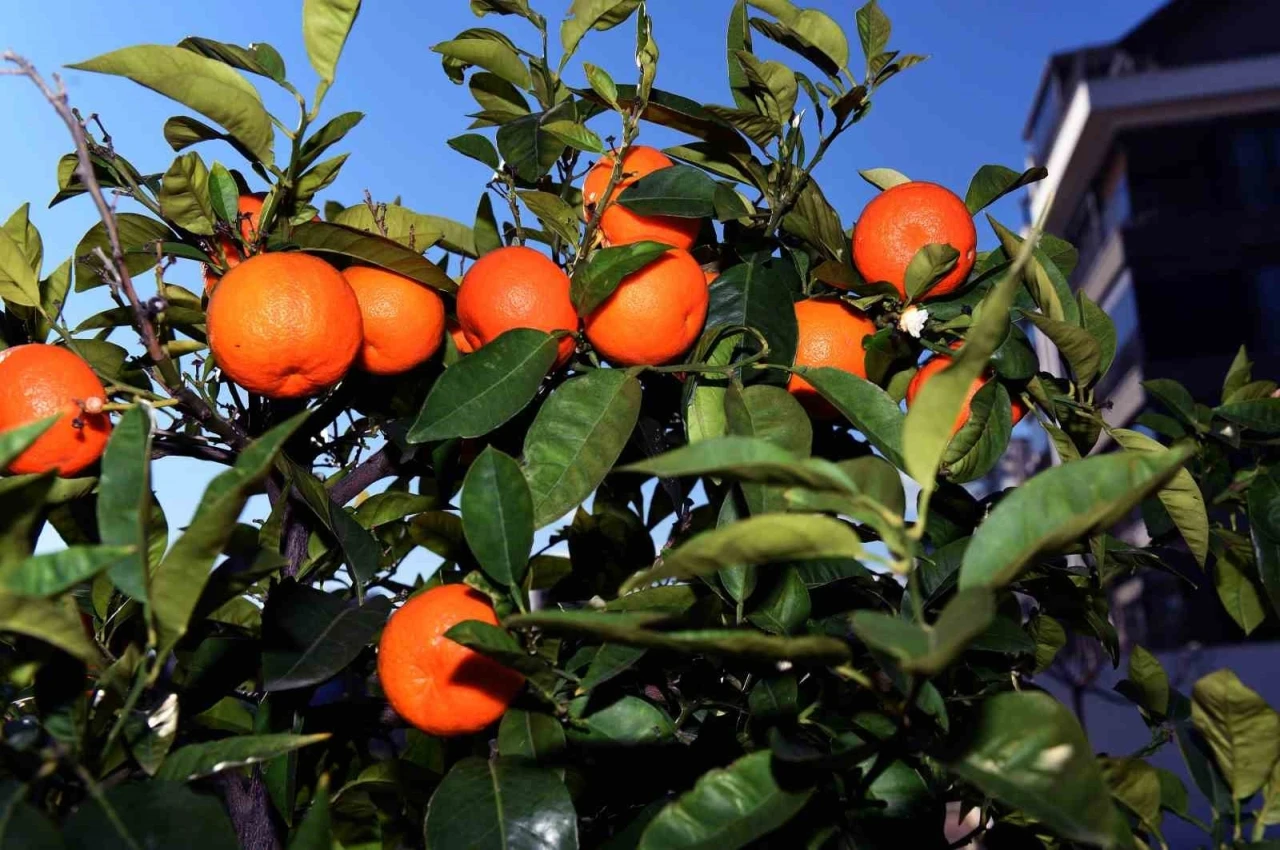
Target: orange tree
[{"x": 679, "y": 371}]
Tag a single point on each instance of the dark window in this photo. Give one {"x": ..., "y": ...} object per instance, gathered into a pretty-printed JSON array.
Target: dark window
[
  {"x": 1266, "y": 311},
  {"x": 1122, "y": 306},
  {"x": 1045, "y": 123}
]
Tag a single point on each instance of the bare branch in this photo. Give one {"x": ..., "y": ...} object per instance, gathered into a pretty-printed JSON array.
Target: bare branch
[{"x": 117, "y": 271}]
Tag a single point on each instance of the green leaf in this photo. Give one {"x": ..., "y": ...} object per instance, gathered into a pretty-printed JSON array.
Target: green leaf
[
  {"x": 786, "y": 606},
  {"x": 497, "y": 516},
  {"x": 1027, "y": 750},
  {"x": 334, "y": 131},
  {"x": 19, "y": 283},
  {"x": 585, "y": 15},
  {"x": 325, "y": 27},
  {"x": 775, "y": 696},
  {"x": 627, "y": 629},
  {"x": 529, "y": 151},
  {"x": 150, "y": 814},
  {"x": 772, "y": 87},
  {"x": 610, "y": 661},
  {"x": 758, "y": 295},
  {"x": 595, "y": 281},
  {"x": 757, "y": 540},
  {"x": 56, "y": 622},
  {"x": 205, "y": 85},
  {"x": 744, "y": 459},
  {"x": 738, "y": 40},
  {"x": 1061, "y": 505},
  {"x": 679, "y": 190},
  {"x": 319, "y": 177},
  {"x": 576, "y": 438},
  {"x": 1239, "y": 374},
  {"x": 477, "y": 147},
  {"x": 184, "y": 195},
  {"x": 1241, "y": 598},
  {"x": 556, "y": 215},
  {"x": 1259, "y": 414},
  {"x": 1241, "y": 729},
  {"x": 929, "y": 650},
  {"x": 772, "y": 414},
  {"x": 1181, "y": 497},
  {"x": 48, "y": 575},
  {"x": 1152, "y": 682},
  {"x": 493, "y": 56},
  {"x": 124, "y": 499},
  {"x": 992, "y": 182},
  {"x": 929, "y": 265},
  {"x": 509, "y": 805},
  {"x": 486, "y": 227},
  {"x": 52, "y": 573},
  {"x": 884, "y": 178},
  {"x": 413, "y": 230},
  {"x": 1136, "y": 784},
  {"x": 486, "y": 388},
  {"x": 17, "y": 441},
  {"x": 575, "y": 135},
  {"x": 629, "y": 721},
  {"x": 224, "y": 194},
  {"x": 138, "y": 237},
  {"x": 198, "y": 760},
  {"x": 316, "y": 830},
  {"x": 309, "y": 635},
  {"x": 177, "y": 582},
  {"x": 602, "y": 84},
  {"x": 727, "y": 808},
  {"x": 323, "y": 237},
  {"x": 1264, "y": 528},
  {"x": 530, "y": 735},
  {"x": 259, "y": 58},
  {"x": 1078, "y": 346},
  {"x": 360, "y": 549},
  {"x": 870, "y": 409},
  {"x": 1101, "y": 328},
  {"x": 873, "y": 30}
]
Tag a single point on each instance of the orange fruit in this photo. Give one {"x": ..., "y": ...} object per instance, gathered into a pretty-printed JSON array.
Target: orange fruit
[
  {"x": 38, "y": 381},
  {"x": 903, "y": 219},
  {"x": 831, "y": 334},
  {"x": 440, "y": 686},
  {"x": 936, "y": 364},
  {"x": 619, "y": 225},
  {"x": 284, "y": 325},
  {"x": 654, "y": 315},
  {"x": 515, "y": 287},
  {"x": 403, "y": 320},
  {"x": 250, "y": 206},
  {"x": 710, "y": 275}
]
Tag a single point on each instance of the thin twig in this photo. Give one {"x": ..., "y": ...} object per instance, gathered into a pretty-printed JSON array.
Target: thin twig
[{"x": 122, "y": 280}]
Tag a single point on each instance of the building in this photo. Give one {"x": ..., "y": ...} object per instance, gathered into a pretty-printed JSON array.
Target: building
[{"x": 1163, "y": 152}]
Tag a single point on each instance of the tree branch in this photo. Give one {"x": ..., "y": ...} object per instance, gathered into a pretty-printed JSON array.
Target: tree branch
[
  {"x": 382, "y": 463},
  {"x": 116, "y": 269}
]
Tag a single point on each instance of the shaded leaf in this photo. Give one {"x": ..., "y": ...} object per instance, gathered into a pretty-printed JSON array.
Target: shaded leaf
[{"x": 197, "y": 760}]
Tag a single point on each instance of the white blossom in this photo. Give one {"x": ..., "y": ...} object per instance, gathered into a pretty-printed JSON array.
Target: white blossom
[{"x": 913, "y": 319}]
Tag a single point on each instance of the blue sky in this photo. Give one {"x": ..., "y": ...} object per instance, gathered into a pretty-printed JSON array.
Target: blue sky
[{"x": 939, "y": 121}]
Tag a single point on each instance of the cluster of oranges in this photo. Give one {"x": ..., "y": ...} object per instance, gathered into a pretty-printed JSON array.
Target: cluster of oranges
[
  {"x": 289, "y": 325},
  {"x": 654, "y": 315}
]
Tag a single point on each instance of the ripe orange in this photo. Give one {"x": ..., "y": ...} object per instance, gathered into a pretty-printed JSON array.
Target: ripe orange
[
  {"x": 284, "y": 324},
  {"x": 936, "y": 364},
  {"x": 250, "y": 206},
  {"x": 831, "y": 334},
  {"x": 619, "y": 225},
  {"x": 515, "y": 287},
  {"x": 440, "y": 686},
  {"x": 654, "y": 315},
  {"x": 900, "y": 221},
  {"x": 403, "y": 320},
  {"x": 38, "y": 381}
]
